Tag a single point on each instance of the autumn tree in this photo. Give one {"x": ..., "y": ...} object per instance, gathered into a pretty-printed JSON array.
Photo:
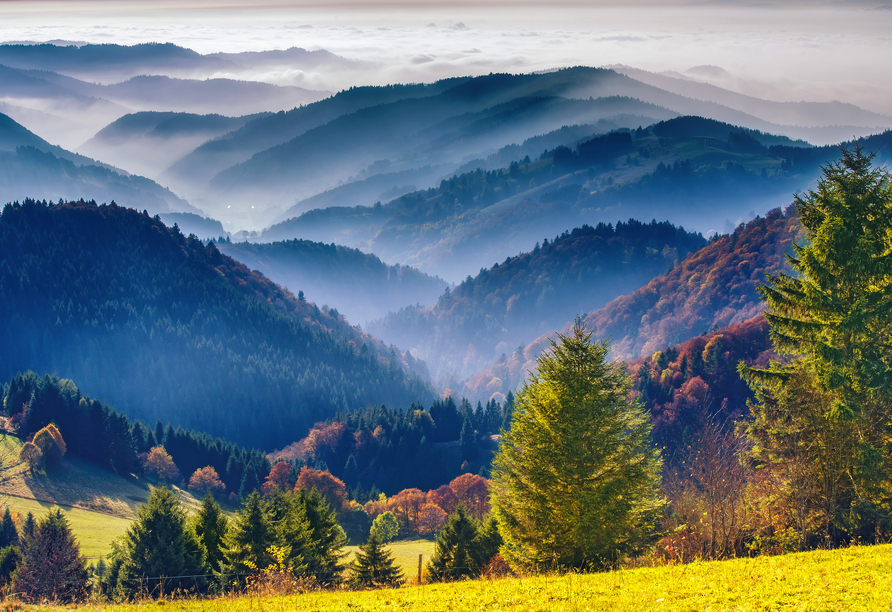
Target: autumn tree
[
  {"x": 206, "y": 481},
  {"x": 160, "y": 465},
  {"x": 374, "y": 566},
  {"x": 406, "y": 505},
  {"x": 280, "y": 477},
  {"x": 472, "y": 491},
  {"x": 332, "y": 489},
  {"x": 51, "y": 567},
  {"x": 51, "y": 445},
  {"x": 32, "y": 456},
  {"x": 430, "y": 519},
  {"x": 576, "y": 477}
]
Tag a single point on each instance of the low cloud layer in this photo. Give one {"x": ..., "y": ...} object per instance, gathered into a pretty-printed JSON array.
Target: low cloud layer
[{"x": 782, "y": 50}]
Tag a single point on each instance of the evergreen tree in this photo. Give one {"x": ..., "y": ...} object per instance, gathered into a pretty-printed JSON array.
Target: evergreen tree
[
  {"x": 248, "y": 537},
  {"x": 576, "y": 477},
  {"x": 209, "y": 525},
  {"x": 488, "y": 542},
  {"x": 29, "y": 526},
  {"x": 454, "y": 557},
  {"x": 374, "y": 566},
  {"x": 10, "y": 557},
  {"x": 51, "y": 567},
  {"x": 9, "y": 535},
  {"x": 160, "y": 552},
  {"x": 325, "y": 558},
  {"x": 291, "y": 528},
  {"x": 827, "y": 411},
  {"x": 468, "y": 441}
]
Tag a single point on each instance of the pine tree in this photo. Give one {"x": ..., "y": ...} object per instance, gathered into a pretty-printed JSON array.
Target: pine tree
[
  {"x": 51, "y": 567},
  {"x": 374, "y": 566},
  {"x": 576, "y": 477},
  {"x": 209, "y": 525},
  {"x": 454, "y": 552},
  {"x": 248, "y": 537},
  {"x": 822, "y": 417},
  {"x": 468, "y": 441},
  {"x": 160, "y": 552},
  {"x": 9, "y": 535},
  {"x": 325, "y": 559}
]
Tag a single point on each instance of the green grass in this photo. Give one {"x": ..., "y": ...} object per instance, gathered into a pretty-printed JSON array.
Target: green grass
[
  {"x": 98, "y": 503},
  {"x": 854, "y": 579},
  {"x": 405, "y": 554}
]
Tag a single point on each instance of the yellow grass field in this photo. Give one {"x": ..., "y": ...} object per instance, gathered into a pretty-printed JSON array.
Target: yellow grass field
[{"x": 857, "y": 579}]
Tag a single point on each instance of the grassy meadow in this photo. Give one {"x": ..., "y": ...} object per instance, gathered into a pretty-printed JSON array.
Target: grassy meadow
[
  {"x": 98, "y": 504},
  {"x": 854, "y": 579}
]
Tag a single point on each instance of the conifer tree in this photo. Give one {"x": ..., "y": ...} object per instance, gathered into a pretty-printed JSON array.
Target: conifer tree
[
  {"x": 821, "y": 418},
  {"x": 209, "y": 525},
  {"x": 325, "y": 558},
  {"x": 576, "y": 477},
  {"x": 160, "y": 553},
  {"x": 248, "y": 537},
  {"x": 51, "y": 567},
  {"x": 374, "y": 566},
  {"x": 9, "y": 535},
  {"x": 291, "y": 529},
  {"x": 454, "y": 553}
]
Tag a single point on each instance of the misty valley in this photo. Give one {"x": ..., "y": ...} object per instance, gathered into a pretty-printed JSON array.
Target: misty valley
[{"x": 280, "y": 340}]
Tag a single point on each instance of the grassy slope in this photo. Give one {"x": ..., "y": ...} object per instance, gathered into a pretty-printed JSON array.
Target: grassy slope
[
  {"x": 855, "y": 579},
  {"x": 405, "y": 554},
  {"x": 99, "y": 504}
]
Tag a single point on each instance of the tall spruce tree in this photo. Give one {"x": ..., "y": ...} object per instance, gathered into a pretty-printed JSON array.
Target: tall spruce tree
[
  {"x": 9, "y": 535},
  {"x": 576, "y": 477},
  {"x": 249, "y": 536},
  {"x": 455, "y": 552},
  {"x": 821, "y": 418},
  {"x": 51, "y": 567},
  {"x": 209, "y": 525},
  {"x": 160, "y": 552},
  {"x": 374, "y": 566}
]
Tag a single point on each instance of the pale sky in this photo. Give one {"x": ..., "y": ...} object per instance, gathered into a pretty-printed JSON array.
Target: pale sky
[{"x": 778, "y": 50}]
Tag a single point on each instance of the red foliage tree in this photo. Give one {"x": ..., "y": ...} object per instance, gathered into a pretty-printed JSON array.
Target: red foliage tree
[
  {"x": 281, "y": 477},
  {"x": 204, "y": 480},
  {"x": 332, "y": 489},
  {"x": 443, "y": 497},
  {"x": 472, "y": 491}
]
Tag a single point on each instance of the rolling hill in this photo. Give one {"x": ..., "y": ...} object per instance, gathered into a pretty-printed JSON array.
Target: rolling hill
[{"x": 165, "y": 327}]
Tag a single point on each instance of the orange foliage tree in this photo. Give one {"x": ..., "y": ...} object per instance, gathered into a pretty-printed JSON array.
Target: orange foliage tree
[
  {"x": 472, "y": 491},
  {"x": 332, "y": 489},
  {"x": 444, "y": 498},
  {"x": 280, "y": 477},
  {"x": 430, "y": 519},
  {"x": 159, "y": 464},
  {"x": 406, "y": 505},
  {"x": 205, "y": 480}
]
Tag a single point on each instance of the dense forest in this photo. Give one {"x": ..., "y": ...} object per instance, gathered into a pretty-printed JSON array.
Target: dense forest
[
  {"x": 535, "y": 292},
  {"x": 710, "y": 288},
  {"x": 98, "y": 433},
  {"x": 165, "y": 327},
  {"x": 361, "y": 285},
  {"x": 387, "y": 449}
]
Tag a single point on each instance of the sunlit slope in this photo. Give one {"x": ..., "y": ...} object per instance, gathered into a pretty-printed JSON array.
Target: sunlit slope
[{"x": 854, "y": 579}]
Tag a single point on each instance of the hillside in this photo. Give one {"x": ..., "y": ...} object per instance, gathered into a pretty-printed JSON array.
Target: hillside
[
  {"x": 706, "y": 175},
  {"x": 149, "y": 142},
  {"x": 166, "y": 328},
  {"x": 711, "y": 288},
  {"x": 843, "y": 579},
  {"x": 534, "y": 292},
  {"x": 30, "y": 167},
  {"x": 361, "y": 285}
]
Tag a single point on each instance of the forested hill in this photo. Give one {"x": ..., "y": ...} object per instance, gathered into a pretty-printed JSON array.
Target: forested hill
[
  {"x": 711, "y": 288},
  {"x": 167, "y": 328},
  {"x": 535, "y": 292},
  {"x": 360, "y": 285}
]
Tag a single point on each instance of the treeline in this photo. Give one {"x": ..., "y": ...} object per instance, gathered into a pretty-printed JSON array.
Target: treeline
[
  {"x": 534, "y": 292},
  {"x": 98, "y": 433},
  {"x": 166, "y": 327},
  {"x": 382, "y": 448}
]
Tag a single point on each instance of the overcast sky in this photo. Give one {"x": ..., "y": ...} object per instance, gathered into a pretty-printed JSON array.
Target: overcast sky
[{"x": 787, "y": 50}]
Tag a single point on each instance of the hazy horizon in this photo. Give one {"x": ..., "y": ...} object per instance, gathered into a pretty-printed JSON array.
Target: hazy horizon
[{"x": 783, "y": 51}]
